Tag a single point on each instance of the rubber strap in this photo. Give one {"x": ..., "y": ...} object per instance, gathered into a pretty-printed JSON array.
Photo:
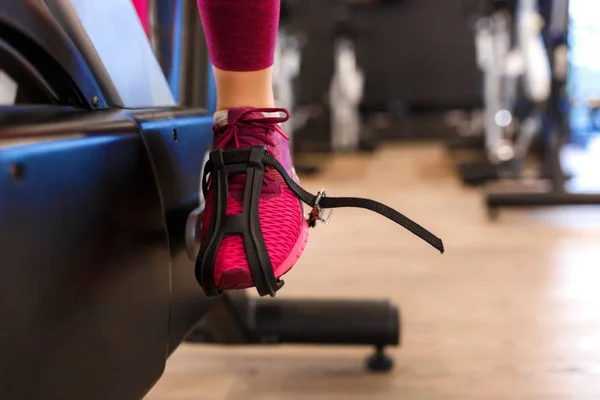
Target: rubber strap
[
  {"x": 247, "y": 224},
  {"x": 242, "y": 156}
]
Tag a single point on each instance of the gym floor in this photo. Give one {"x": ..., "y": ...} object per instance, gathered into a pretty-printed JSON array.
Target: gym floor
[{"x": 511, "y": 311}]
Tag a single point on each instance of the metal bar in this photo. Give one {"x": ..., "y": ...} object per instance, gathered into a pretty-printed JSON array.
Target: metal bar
[
  {"x": 239, "y": 320},
  {"x": 542, "y": 199},
  {"x": 194, "y": 73}
]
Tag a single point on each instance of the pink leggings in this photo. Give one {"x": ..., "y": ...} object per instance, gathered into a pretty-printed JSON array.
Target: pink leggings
[
  {"x": 143, "y": 9},
  {"x": 240, "y": 34}
]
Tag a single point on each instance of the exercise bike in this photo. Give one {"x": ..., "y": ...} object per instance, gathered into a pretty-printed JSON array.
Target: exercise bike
[
  {"x": 102, "y": 147},
  {"x": 516, "y": 89},
  {"x": 551, "y": 187},
  {"x": 346, "y": 88}
]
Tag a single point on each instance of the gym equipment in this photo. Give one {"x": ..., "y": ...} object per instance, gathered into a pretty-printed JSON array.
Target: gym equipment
[
  {"x": 286, "y": 69},
  {"x": 551, "y": 189},
  {"x": 332, "y": 80},
  {"x": 100, "y": 160},
  {"x": 98, "y": 172},
  {"x": 346, "y": 89},
  {"x": 469, "y": 126},
  {"x": 240, "y": 320},
  {"x": 511, "y": 120},
  {"x": 492, "y": 44}
]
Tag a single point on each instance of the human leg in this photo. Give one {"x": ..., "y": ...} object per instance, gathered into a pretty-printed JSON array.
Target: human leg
[{"x": 241, "y": 37}]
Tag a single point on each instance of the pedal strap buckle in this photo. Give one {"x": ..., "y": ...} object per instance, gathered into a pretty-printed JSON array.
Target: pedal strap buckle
[{"x": 317, "y": 213}]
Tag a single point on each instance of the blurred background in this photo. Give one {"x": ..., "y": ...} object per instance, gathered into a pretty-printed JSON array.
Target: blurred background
[{"x": 479, "y": 119}]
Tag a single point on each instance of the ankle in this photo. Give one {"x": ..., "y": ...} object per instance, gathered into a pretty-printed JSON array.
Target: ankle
[
  {"x": 244, "y": 89},
  {"x": 244, "y": 102}
]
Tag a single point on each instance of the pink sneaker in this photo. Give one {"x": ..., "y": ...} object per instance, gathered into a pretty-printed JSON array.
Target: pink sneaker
[{"x": 284, "y": 228}]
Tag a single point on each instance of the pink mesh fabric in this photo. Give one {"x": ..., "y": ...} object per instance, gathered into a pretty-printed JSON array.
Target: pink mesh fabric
[{"x": 281, "y": 221}]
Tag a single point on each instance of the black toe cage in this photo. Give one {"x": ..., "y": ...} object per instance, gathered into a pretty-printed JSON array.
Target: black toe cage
[{"x": 224, "y": 163}]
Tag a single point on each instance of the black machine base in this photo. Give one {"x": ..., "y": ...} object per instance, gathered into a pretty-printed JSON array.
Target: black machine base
[
  {"x": 477, "y": 173},
  {"x": 534, "y": 194},
  {"x": 379, "y": 361},
  {"x": 240, "y": 320},
  {"x": 466, "y": 143}
]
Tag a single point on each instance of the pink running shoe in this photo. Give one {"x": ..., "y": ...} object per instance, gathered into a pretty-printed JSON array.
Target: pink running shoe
[{"x": 284, "y": 228}]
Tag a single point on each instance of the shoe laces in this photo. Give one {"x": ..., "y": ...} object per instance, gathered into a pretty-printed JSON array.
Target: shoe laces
[{"x": 249, "y": 130}]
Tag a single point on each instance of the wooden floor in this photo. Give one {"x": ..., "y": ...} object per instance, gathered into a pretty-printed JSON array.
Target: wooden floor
[{"x": 511, "y": 311}]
